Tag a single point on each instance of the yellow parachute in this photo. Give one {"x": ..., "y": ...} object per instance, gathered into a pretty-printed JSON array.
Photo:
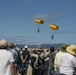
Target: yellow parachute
[
  {"x": 53, "y": 26},
  {"x": 39, "y": 21}
]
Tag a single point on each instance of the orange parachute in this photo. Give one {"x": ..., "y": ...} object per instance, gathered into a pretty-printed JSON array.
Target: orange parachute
[
  {"x": 39, "y": 21},
  {"x": 53, "y": 26}
]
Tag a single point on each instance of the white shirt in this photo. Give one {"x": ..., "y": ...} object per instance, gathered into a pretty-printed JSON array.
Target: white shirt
[
  {"x": 67, "y": 63},
  {"x": 56, "y": 60},
  {"x": 5, "y": 58}
]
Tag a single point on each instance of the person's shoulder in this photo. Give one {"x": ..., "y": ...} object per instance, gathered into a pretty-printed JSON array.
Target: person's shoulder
[
  {"x": 70, "y": 55},
  {"x": 13, "y": 50},
  {"x": 24, "y": 51},
  {"x": 58, "y": 53},
  {"x": 9, "y": 52},
  {"x": 53, "y": 53},
  {"x": 27, "y": 51}
]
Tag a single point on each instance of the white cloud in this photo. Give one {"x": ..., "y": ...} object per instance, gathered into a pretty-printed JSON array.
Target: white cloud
[
  {"x": 49, "y": 17},
  {"x": 42, "y": 16}
]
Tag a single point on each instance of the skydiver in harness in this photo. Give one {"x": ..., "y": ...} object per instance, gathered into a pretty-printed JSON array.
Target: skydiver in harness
[
  {"x": 52, "y": 37},
  {"x": 38, "y": 30}
]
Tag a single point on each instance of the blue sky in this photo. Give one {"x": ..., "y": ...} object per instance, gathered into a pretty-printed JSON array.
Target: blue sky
[{"x": 17, "y": 21}]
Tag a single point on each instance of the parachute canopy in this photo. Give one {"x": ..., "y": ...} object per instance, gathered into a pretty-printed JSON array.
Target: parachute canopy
[
  {"x": 53, "y": 26},
  {"x": 39, "y": 21}
]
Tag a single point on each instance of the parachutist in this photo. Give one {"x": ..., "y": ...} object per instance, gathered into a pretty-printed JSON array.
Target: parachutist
[
  {"x": 38, "y": 30},
  {"x": 52, "y": 37}
]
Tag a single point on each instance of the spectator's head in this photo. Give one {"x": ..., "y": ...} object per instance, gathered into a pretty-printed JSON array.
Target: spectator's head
[
  {"x": 39, "y": 49},
  {"x": 11, "y": 45},
  {"x": 34, "y": 51},
  {"x": 52, "y": 49},
  {"x": 63, "y": 47},
  {"x": 71, "y": 49},
  {"x": 26, "y": 47},
  {"x": 3, "y": 44}
]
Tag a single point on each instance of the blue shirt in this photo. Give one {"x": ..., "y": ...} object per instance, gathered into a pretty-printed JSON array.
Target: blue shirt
[{"x": 14, "y": 54}]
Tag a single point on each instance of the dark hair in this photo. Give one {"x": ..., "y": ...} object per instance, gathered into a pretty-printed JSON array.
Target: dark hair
[
  {"x": 52, "y": 49},
  {"x": 34, "y": 51}
]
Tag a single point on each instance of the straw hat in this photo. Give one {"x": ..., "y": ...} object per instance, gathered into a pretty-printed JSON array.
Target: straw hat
[
  {"x": 71, "y": 49},
  {"x": 63, "y": 47},
  {"x": 3, "y": 43}
]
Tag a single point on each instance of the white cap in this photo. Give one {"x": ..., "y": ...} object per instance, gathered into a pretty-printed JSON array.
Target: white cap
[{"x": 26, "y": 47}]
